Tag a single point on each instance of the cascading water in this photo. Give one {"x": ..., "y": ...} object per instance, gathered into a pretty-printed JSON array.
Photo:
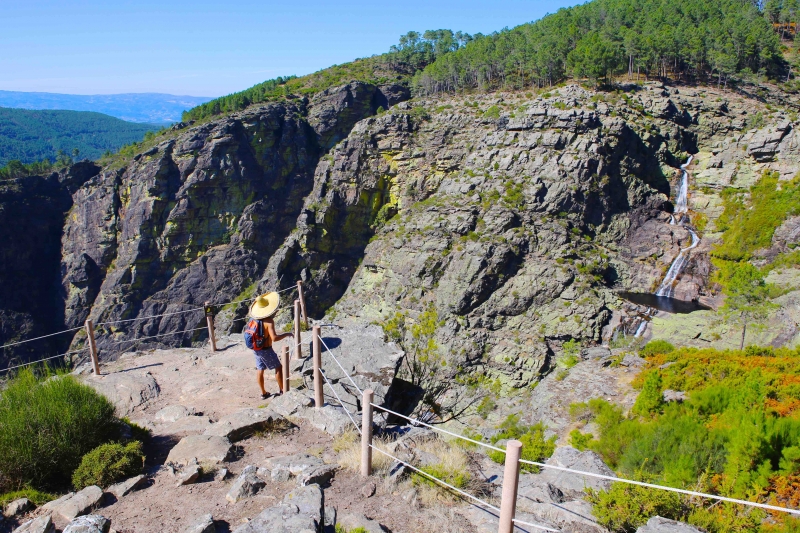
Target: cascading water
[{"x": 667, "y": 287}]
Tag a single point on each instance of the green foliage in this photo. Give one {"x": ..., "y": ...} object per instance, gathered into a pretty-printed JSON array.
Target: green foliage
[
  {"x": 108, "y": 464},
  {"x": 656, "y": 347},
  {"x": 486, "y": 406},
  {"x": 47, "y": 425},
  {"x": 138, "y": 432},
  {"x": 457, "y": 478},
  {"x": 749, "y": 222},
  {"x": 492, "y": 112},
  {"x": 37, "y": 497},
  {"x": 29, "y": 136},
  {"x": 237, "y": 101},
  {"x": 341, "y": 529},
  {"x": 605, "y": 37},
  {"x": 535, "y": 447},
  {"x": 624, "y": 508},
  {"x": 580, "y": 441},
  {"x": 17, "y": 169},
  {"x": 650, "y": 399},
  {"x": 737, "y": 435}
]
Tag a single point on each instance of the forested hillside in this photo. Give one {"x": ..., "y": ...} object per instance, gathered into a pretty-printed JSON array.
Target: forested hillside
[
  {"x": 682, "y": 39},
  {"x": 30, "y": 136}
]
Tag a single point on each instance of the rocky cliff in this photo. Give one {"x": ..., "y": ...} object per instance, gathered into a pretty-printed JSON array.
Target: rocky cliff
[{"x": 514, "y": 217}]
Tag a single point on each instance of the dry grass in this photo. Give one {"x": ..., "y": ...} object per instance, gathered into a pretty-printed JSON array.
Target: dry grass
[
  {"x": 453, "y": 468},
  {"x": 348, "y": 446}
]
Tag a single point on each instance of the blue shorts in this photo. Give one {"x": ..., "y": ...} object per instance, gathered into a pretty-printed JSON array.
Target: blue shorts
[{"x": 266, "y": 359}]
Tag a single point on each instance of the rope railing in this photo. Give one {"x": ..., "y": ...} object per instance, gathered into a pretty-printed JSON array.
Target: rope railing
[
  {"x": 457, "y": 490},
  {"x": 42, "y": 360},
  {"x": 665, "y": 488},
  {"x": 341, "y": 403},
  {"x": 42, "y": 337}
]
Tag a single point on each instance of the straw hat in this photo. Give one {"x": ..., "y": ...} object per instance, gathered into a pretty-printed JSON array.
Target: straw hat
[{"x": 265, "y": 305}]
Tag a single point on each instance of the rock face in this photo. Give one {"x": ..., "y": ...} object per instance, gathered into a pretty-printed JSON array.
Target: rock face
[
  {"x": 242, "y": 424},
  {"x": 17, "y": 507},
  {"x": 246, "y": 485},
  {"x": 204, "y": 524},
  {"x": 515, "y": 228},
  {"x": 126, "y": 390},
  {"x": 32, "y": 216}
]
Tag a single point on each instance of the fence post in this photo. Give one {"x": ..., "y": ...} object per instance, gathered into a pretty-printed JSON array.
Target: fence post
[
  {"x": 366, "y": 432},
  {"x": 319, "y": 400},
  {"x": 302, "y": 301},
  {"x": 210, "y": 321},
  {"x": 508, "y": 504},
  {"x": 285, "y": 364},
  {"x": 92, "y": 347},
  {"x": 298, "y": 343}
]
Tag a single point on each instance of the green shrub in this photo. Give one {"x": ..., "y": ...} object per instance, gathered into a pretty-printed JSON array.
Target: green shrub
[
  {"x": 47, "y": 425},
  {"x": 108, "y": 464},
  {"x": 656, "y": 347},
  {"x": 624, "y": 508},
  {"x": 650, "y": 399},
  {"x": 341, "y": 529},
  {"x": 138, "y": 432},
  {"x": 535, "y": 447},
  {"x": 580, "y": 441}
]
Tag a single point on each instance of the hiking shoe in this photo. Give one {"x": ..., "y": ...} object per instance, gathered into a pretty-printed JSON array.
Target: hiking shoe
[{"x": 265, "y": 396}]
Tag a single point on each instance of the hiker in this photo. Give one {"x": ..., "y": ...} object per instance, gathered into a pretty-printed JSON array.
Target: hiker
[{"x": 260, "y": 336}]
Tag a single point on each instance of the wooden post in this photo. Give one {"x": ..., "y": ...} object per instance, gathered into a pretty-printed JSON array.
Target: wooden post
[
  {"x": 210, "y": 321},
  {"x": 298, "y": 343},
  {"x": 366, "y": 433},
  {"x": 285, "y": 364},
  {"x": 319, "y": 399},
  {"x": 302, "y": 302},
  {"x": 92, "y": 347},
  {"x": 508, "y": 504}
]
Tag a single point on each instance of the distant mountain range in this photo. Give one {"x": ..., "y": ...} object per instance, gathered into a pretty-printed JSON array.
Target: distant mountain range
[
  {"x": 33, "y": 135},
  {"x": 151, "y": 108}
]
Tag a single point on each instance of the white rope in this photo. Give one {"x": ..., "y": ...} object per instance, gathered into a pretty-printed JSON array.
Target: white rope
[
  {"x": 419, "y": 422},
  {"x": 661, "y": 487},
  {"x": 40, "y": 360},
  {"x": 149, "y": 317},
  {"x": 451, "y": 487},
  {"x": 341, "y": 403},
  {"x": 160, "y": 335},
  {"x": 340, "y": 366},
  {"x": 42, "y": 337}
]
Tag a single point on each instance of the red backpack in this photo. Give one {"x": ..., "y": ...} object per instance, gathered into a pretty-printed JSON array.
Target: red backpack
[{"x": 254, "y": 337}]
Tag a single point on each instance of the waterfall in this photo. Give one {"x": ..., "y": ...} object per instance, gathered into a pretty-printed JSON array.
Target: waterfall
[{"x": 681, "y": 208}]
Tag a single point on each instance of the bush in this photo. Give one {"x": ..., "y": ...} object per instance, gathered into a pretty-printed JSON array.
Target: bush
[
  {"x": 534, "y": 445},
  {"x": 656, "y": 347},
  {"x": 623, "y": 508},
  {"x": 108, "y": 464},
  {"x": 47, "y": 425},
  {"x": 650, "y": 399}
]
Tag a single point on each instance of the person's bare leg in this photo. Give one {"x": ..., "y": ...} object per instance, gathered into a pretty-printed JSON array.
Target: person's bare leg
[
  {"x": 260, "y": 378},
  {"x": 279, "y": 378}
]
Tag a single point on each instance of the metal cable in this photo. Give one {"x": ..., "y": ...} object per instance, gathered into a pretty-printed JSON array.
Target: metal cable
[
  {"x": 42, "y": 337},
  {"x": 451, "y": 487},
  {"x": 40, "y": 360},
  {"x": 340, "y": 366},
  {"x": 662, "y": 487},
  {"x": 162, "y": 335},
  {"x": 340, "y": 401},
  {"x": 419, "y": 422}
]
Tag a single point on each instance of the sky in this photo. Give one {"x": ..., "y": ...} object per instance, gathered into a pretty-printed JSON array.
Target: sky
[{"x": 212, "y": 48}]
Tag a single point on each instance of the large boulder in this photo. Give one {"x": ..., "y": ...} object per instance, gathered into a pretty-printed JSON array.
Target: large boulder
[
  {"x": 241, "y": 424},
  {"x": 126, "y": 390},
  {"x": 302, "y": 510},
  {"x": 246, "y": 485},
  {"x": 658, "y": 524},
  {"x": 203, "y": 449},
  {"x": 42, "y": 524},
  {"x": 355, "y": 521},
  {"x": 76, "y": 504},
  {"x": 17, "y": 507},
  {"x": 89, "y": 524},
  {"x": 573, "y": 485}
]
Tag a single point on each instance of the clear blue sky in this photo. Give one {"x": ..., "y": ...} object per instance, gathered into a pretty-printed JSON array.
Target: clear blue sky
[{"x": 211, "y": 48}]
